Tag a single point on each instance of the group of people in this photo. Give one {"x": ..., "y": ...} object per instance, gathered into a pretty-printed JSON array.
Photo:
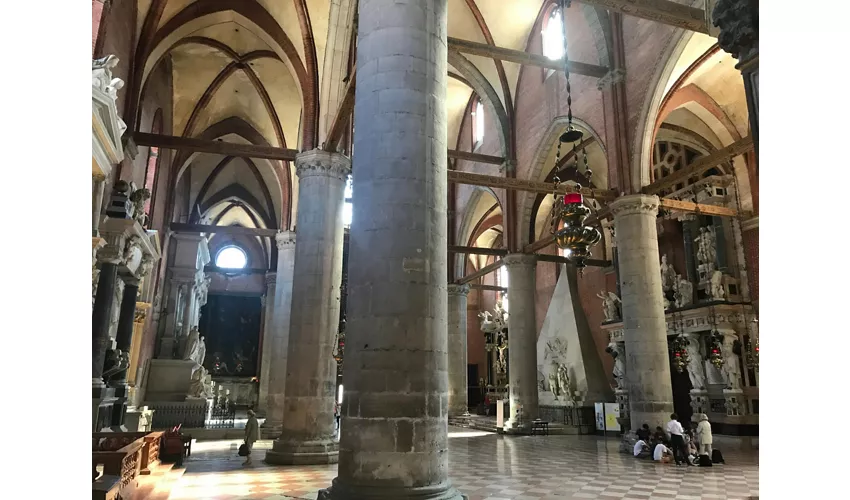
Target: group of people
[{"x": 674, "y": 443}]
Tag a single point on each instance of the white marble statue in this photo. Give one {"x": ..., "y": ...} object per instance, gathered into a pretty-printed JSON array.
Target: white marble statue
[
  {"x": 502, "y": 360},
  {"x": 706, "y": 246},
  {"x": 696, "y": 367},
  {"x": 487, "y": 323},
  {"x": 684, "y": 292},
  {"x": 554, "y": 384},
  {"x": 564, "y": 383},
  {"x": 609, "y": 305},
  {"x": 193, "y": 342},
  {"x": 201, "y": 353},
  {"x": 198, "y": 386},
  {"x": 731, "y": 363},
  {"x": 101, "y": 72},
  {"x": 668, "y": 274},
  {"x": 715, "y": 291},
  {"x": 617, "y": 350}
]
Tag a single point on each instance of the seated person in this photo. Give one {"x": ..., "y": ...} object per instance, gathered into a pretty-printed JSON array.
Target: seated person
[
  {"x": 641, "y": 449},
  {"x": 662, "y": 454},
  {"x": 643, "y": 433},
  {"x": 659, "y": 435}
]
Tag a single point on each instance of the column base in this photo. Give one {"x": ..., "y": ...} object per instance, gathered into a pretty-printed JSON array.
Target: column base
[
  {"x": 627, "y": 444},
  {"x": 303, "y": 453},
  {"x": 340, "y": 491},
  {"x": 513, "y": 427},
  {"x": 271, "y": 430}
]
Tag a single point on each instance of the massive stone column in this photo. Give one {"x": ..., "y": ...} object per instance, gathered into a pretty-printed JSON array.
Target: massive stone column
[
  {"x": 100, "y": 318},
  {"x": 458, "y": 398},
  {"x": 276, "y": 342},
  {"x": 522, "y": 341},
  {"x": 309, "y": 427},
  {"x": 644, "y": 323},
  {"x": 266, "y": 358},
  {"x": 126, "y": 317},
  {"x": 394, "y": 426}
]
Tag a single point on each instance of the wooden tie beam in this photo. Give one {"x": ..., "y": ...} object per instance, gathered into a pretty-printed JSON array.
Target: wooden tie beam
[
  {"x": 344, "y": 113},
  {"x": 701, "y": 165},
  {"x": 558, "y": 259},
  {"x": 475, "y": 157},
  {"x": 493, "y": 181},
  {"x": 492, "y": 288},
  {"x": 662, "y": 11},
  {"x": 479, "y": 273},
  {"x": 520, "y": 57},
  {"x": 179, "y": 227},
  {"x": 499, "y": 252},
  {"x": 214, "y": 147},
  {"x": 701, "y": 208}
]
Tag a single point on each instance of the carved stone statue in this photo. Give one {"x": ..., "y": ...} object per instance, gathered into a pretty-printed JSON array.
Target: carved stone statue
[
  {"x": 198, "y": 386},
  {"x": 668, "y": 274},
  {"x": 202, "y": 351},
  {"x": 130, "y": 247},
  {"x": 696, "y": 367},
  {"x": 715, "y": 291},
  {"x": 706, "y": 246},
  {"x": 101, "y": 71},
  {"x": 731, "y": 363},
  {"x": 554, "y": 383},
  {"x": 609, "y": 305},
  {"x": 541, "y": 382},
  {"x": 502, "y": 361},
  {"x": 139, "y": 197},
  {"x": 684, "y": 292},
  {"x": 564, "y": 383},
  {"x": 617, "y": 350},
  {"x": 193, "y": 341}
]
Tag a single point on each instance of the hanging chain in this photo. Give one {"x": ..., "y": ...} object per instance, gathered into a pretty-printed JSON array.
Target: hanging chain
[{"x": 564, "y": 5}]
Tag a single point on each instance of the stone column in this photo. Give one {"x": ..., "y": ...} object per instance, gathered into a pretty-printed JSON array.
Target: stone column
[
  {"x": 394, "y": 428},
  {"x": 266, "y": 356},
  {"x": 100, "y": 319},
  {"x": 458, "y": 397},
  {"x": 309, "y": 426},
  {"x": 276, "y": 343},
  {"x": 644, "y": 323},
  {"x": 522, "y": 340}
]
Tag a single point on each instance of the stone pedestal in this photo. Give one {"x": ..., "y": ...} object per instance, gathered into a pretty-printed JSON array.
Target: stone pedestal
[
  {"x": 699, "y": 403},
  {"x": 394, "y": 439},
  {"x": 736, "y": 404},
  {"x": 309, "y": 426},
  {"x": 522, "y": 342},
  {"x": 458, "y": 397},
  {"x": 644, "y": 324},
  {"x": 168, "y": 379},
  {"x": 276, "y": 343}
]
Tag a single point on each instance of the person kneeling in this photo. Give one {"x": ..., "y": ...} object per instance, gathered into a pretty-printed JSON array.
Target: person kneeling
[{"x": 662, "y": 454}]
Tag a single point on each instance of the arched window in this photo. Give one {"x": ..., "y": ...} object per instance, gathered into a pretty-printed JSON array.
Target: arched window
[
  {"x": 347, "y": 207},
  {"x": 231, "y": 257},
  {"x": 477, "y": 124},
  {"x": 553, "y": 36}
]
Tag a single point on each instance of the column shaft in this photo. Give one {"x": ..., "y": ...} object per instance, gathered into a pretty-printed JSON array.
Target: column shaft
[
  {"x": 458, "y": 397},
  {"x": 309, "y": 427},
  {"x": 644, "y": 323},
  {"x": 394, "y": 441},
  {"x": 265, "y": 342},
  {"x": 124, "y": 335},
  {"x": 277, "y": 335},
  {"x": 522, "y": 340},
  {"x": 100, "y": 319}
]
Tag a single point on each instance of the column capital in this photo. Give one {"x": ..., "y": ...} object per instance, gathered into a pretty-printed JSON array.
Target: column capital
[
  {"x": 519, "y": 260},
  {"x": 738, "y": 23},
  {"x": 454, "y": 289},
  {"x": 635, "y": 204},
  {"x": 611, "y": 78},
  {"x": 285, "y": 239},
  {"x": 322, "y": 163}
]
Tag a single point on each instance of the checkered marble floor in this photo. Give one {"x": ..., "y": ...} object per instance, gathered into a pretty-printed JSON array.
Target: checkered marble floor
[{"x": 488, "y": 466}]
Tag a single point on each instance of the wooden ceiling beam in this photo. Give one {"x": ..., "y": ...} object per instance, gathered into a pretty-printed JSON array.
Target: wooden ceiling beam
[
  {"x": 479, "y": 273},
  {"x": 701, "y": 165},
  {"x": 601, "y": 195},
  {"x": 700, "y": 208},
  {"x": 344, "y": 114},
  {"x": 558, "y": 259},
  {"x": 475, "y": 157},
  {"x": 525, "y": 58},
  {"x": 493, "y": 288},
  {"x": 193, "y": 145},
  {"x": 179, "y": 227},
  {"x": 499, "y": 252},
  {"x": 661, "y": 11}
]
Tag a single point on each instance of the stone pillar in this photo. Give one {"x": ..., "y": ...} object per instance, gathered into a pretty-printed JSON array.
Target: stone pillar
[
  {"x": 644, "y": 323},
  {"x": 100, "y": 319},
  {"x": 739, "y": 35},
  {"x": 309, "y": 426},
  {"x": 394, "y": 412},
  {"x": 266, "y": 356},
  {"x": 276, "y": 343},
  {"x": 458, "y": 387},
  {"x": 522, "y": 341}
]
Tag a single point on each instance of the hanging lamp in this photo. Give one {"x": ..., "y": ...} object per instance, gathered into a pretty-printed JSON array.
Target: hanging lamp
[{"x": 574, "y": 237}]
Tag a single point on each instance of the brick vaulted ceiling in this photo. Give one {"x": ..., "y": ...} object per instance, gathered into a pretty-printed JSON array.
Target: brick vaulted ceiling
[{"x": 253, "y": 71}]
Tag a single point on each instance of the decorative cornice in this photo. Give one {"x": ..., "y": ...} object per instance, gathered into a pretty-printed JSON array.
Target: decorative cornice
[
  {"x": 458, "y": 290},
  {"x": 611, "y": 78},
  {"x": 520, "y": 260},
  {"x": 635, "y": 204},
  {"x": 285, "y": 239},
  {"x": 319, "y": 163}
]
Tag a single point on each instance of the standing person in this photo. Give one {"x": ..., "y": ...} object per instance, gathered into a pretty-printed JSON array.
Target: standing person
[
  {"x": 677, "y": 440},
  {"x": 704, "y": 435},
  {"x": 252, "y": 434}
]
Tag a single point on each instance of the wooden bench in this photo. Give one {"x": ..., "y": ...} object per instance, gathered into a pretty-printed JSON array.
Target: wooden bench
[
  {"x": 123, "y": 464},
  {"x": 540, "y": 427},
  {"x": 149, "y": 459}
]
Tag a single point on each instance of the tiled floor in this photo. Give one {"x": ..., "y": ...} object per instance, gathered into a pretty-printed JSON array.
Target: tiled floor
[{"x": 483, "y": 466}]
